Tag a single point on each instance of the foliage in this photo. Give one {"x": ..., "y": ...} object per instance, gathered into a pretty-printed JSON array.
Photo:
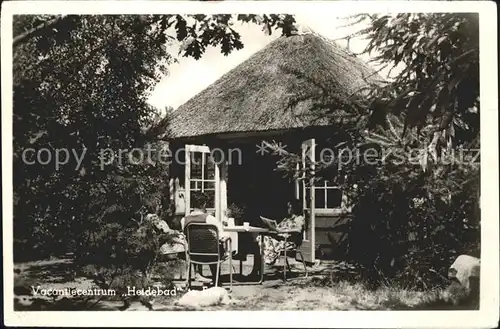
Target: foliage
[
  {"x": 121, "y": 253},
  {"x": 411, "y": 224},
  {"x": 436, "y": 95},
  {"x": 237, "y": 212},
  {"x": 80, "y": 89},
  {"x": 424, "y": 212},
  {"x": 438, "y": 84},
  {"x": 412, "y": 180},
  {"x": 201, "y": 198},
  {"x": 69, "y": 96}
]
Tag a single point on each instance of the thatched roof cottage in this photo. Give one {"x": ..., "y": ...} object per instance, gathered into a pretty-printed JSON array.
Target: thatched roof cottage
[{"x": 280, "y": 94}]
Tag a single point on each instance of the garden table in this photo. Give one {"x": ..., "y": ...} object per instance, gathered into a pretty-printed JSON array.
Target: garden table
[{"x": 252, "y": 229}]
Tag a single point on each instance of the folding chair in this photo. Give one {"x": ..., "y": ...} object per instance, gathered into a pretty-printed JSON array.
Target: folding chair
[
  {"x": 294, "y": 251},
  {"x": 204, "y": 248}
]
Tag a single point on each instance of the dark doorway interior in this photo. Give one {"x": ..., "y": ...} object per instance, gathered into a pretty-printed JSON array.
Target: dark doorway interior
[{"x": 256, "y": 187}]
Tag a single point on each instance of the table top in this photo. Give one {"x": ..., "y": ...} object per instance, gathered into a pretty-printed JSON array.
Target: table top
[{"x": 245, "y": 229}]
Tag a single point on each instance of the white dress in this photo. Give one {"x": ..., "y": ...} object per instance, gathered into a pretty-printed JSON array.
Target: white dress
[{"x": 176, "y": 239}]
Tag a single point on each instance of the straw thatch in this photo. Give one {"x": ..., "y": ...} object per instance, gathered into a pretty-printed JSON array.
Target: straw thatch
[{"x": 279, "y": 87}]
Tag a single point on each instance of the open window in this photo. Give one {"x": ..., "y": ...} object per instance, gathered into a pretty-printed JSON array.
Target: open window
[{"x": 201, "y": 176}]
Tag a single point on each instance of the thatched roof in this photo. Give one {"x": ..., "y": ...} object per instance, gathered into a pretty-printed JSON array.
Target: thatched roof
[{"x": 277, "y": 88}]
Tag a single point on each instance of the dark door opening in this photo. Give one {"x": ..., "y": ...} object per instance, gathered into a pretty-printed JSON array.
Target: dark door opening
[{"x": 256, "y": 187}]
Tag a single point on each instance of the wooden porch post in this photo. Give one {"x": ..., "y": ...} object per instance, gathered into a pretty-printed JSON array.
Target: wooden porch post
[{"x": 223, "y": 187}]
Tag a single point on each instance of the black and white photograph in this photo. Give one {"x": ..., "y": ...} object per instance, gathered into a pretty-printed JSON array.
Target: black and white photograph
[{"x": 193, "y": 157}]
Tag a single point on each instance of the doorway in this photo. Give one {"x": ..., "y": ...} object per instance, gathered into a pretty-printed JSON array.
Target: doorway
[{"x": 257, "y": 188}]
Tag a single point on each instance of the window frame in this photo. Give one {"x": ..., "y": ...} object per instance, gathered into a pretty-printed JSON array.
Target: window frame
[
  {"x": 326, "y": 185},
  {"x": 325, "y": 211},
  {"x": 204, "y": 150}
]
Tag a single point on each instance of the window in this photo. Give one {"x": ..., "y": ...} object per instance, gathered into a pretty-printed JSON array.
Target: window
[
  {"x": 328, "y": 196},
  {"x": 202, "y": 176}
]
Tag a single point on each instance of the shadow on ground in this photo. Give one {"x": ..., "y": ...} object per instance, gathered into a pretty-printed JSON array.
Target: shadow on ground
[{"x": 319, "y": 291}]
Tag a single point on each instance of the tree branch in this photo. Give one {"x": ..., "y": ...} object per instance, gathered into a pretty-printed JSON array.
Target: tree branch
[{"x": 38, "y": 30}]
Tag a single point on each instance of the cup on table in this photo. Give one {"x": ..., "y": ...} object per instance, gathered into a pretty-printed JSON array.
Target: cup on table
[{"x": 246, "y": 225}]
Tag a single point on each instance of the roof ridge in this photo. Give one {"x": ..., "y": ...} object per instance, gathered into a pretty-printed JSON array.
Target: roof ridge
[
  {"x": 331, "y": 42},
  {"x": 306, "y": 29},
  {"x": 302, "y": 29}
]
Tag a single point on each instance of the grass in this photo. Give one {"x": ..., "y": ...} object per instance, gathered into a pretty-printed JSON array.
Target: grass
[{"x": 309, "y": 295}]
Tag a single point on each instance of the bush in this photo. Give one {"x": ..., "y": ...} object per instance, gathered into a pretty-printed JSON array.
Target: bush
[
  {"x": 410, "y": 220},
  {"x": 411, "y": 225},
  {"x": 118, "y": 256}
]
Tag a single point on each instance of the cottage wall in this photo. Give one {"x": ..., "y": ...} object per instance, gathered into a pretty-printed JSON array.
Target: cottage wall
[
  {"x": 332, "y": 236},
  {"x": 244, "y": 181}
]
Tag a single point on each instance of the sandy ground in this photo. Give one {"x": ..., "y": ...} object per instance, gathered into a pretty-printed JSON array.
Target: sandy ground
[{"x": 316, "y": 292}]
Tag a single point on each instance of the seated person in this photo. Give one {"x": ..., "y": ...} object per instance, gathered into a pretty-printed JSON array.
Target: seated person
[
  {"x": 199, "y": 215},
  {"x": 293, "y": 224},
  {"x": 175, "y": 240}
]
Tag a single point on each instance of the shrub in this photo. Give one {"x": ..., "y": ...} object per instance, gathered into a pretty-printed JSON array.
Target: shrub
[{"x": 410, "y": 220}]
